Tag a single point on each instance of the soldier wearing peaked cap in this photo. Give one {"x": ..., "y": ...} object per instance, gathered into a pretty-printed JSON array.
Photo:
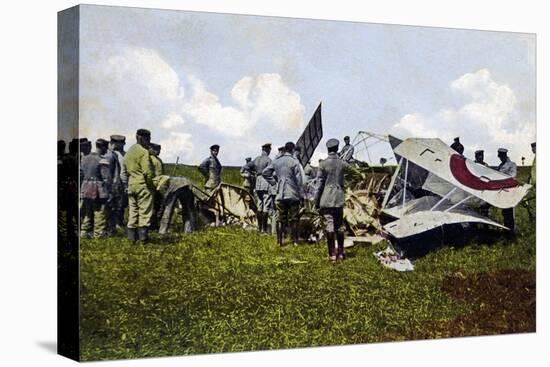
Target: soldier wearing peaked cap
[
  {"x": 457, "y": 145},
  {"x": 138, "y": 167},
  {"x": 248, "y": 177},
  {"x": 330, "y": 199},
  {"x": 263, "y": 190},
  {"x": 85, "y": 147},
  {"x": 284, "y": 172},
  {"x": 95, "y": 191},
  {"x": 509, "y": 168},
  {"x": 158, "y": 178},
  {"x": 211, "y": 169},
  {"x": 120, "y": 183},
  {"x": 479, "y": 158}
]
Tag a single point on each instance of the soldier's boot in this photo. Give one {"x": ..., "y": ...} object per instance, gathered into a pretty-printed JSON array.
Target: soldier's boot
[
  {"x": 330, "y": 243},
  {"x": 280, "y": 234},
  {"x": 340, "y": 241},
  {"x": 143, "y": 234},
  {"x": 132, "y": 234},
  {"x": 260, "y": 220},
  {"x": 295, "y": 234},
  {"x": 265, "y": 224}
]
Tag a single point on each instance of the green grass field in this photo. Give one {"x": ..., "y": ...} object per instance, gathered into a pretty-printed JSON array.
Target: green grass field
[{"x": 228, "y": 290}]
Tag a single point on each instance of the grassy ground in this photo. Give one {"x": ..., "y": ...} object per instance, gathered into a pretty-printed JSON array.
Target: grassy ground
[{"x": 227, "y": 289}]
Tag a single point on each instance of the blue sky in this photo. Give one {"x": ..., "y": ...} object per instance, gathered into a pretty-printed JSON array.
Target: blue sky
[{"x": 195, "y": 79}]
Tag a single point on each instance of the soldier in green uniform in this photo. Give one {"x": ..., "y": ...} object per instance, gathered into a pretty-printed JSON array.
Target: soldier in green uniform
[
  {"x": 95, "y": 191},
  {"x": 330, "y": 199},
  {"x": 137, "y": 165},
  {"x": 211, "y": 169}
]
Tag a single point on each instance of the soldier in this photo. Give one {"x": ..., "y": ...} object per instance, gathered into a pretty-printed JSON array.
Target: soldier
[
  {"x": 507, "y": 167},
  {"x": 262, "y": 188},
  {"x": 158, "y": 168},
  {"x": 289, "y": 192},
  {"x": 211, "y": 169},
  {"x": 280, "y": 151},
  {"x": 248, "y": 177},
  {"x": 138, "y": 166},
  {"x": 95, "y": 191},
  {"x": 85, "y": 147},
  {"x": 479, "y": 158},
  {"x": 346, "y": 154},
  {"x": 330, "y": 199},
  {"x": 120, "y": 184},
  {"x": 457, "y": 146}
]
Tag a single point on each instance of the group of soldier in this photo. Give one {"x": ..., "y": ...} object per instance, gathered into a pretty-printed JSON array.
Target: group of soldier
[
  {"x": 506, "y": 166},
  {"x": 282, "y": 187},
  {"x": 111, "y": 180}
]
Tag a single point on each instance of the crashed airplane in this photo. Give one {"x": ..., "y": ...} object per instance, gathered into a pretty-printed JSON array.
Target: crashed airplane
[{"x": 434, "y": 187}]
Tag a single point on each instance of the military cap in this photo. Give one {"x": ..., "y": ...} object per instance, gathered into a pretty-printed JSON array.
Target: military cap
[
  {"x": 534, "y": 144},
  {"x": 248, "y": 159},
  {"x": 83, "y": 140},
  {"x": 155, "y": 146},
  {"x": 289, "y": 146},
  {"x": 281, "y": 148},
  {"x": 332, "y": 143},
  {"x": 215, "y": 147},
  {"x": 143, "y": 132},
  {"x": 502, "y": 150},
  {"x": 101, "y": 142},
  {"x": 118, "y": 139},
  {"x": 478, "y": 152},
  {"x": 266, "y": 146},
  {"x": 457, "y": 138},
  {"x": 346, "y": 137}
]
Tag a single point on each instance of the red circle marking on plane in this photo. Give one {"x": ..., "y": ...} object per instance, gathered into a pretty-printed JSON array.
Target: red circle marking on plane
[{"x": 463, "y": 175}]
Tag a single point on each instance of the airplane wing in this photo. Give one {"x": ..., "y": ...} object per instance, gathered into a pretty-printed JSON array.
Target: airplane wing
[
  {"x": 487, "y": 184},
  {"x": 422, "y": 221}
]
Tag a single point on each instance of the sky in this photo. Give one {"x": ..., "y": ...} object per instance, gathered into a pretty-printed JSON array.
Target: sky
[{"x": 196, "y": 79}]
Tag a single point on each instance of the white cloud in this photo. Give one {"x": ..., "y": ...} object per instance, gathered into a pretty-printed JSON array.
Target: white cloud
[
  {"x": 177, "y": 145},
  {"x": 123, "y": 90},
  {"x": 489, "y": 119},
  {"x": 172, "y": 120}
]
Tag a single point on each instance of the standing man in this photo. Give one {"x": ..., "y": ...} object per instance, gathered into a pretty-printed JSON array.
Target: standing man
[
  {"x": 120, "y": 197},
  {"x": 330, "y": 199},
  {"x": 457, "y": 146},
  {"x": 479, "y": 158},
  {"x": 262, "y": 188},
  {"x": 248, "y": 177},
  {"x": 138, "y": 167},
  {"x": 290, "y": 192},
  {"x": 508, "y": 167},
  {"x": 158, "y": 169},
  {"x": 346, "y": 154},
  {"x": 211, "y": 169},
  {"x": 95, "y": 191}
]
